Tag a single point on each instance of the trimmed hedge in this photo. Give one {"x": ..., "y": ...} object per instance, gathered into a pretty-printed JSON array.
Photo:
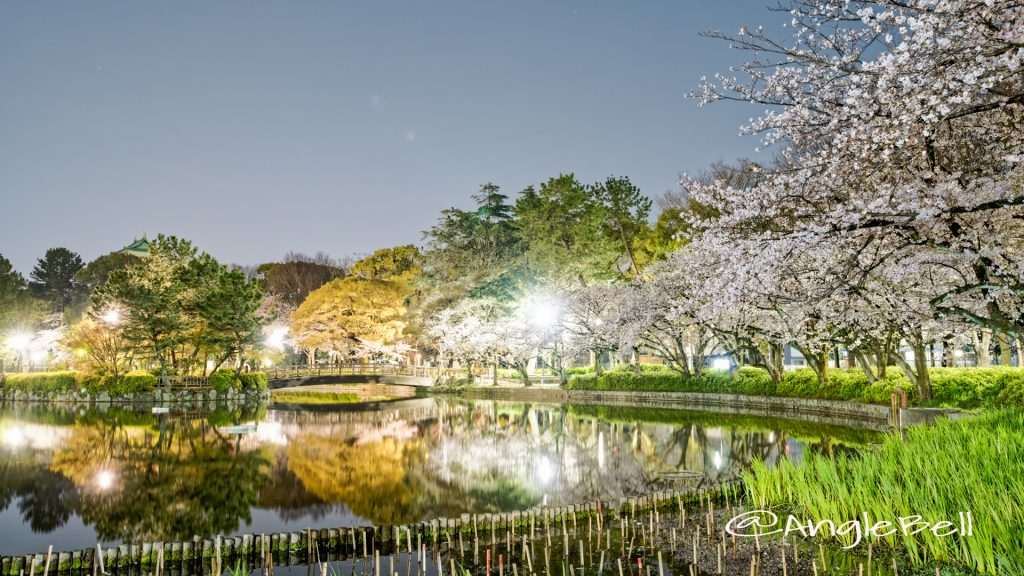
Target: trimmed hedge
[
  {"x": 224, "y": 378},
  {"x": 42, "y": 382},
  {"x": 254, "y": 380},
  {"x": 131, "y": 383},
  {"x": 953, "y": 387}
]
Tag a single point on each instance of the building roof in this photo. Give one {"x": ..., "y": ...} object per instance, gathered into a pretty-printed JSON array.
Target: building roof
[{"x": 137, "y": 248}]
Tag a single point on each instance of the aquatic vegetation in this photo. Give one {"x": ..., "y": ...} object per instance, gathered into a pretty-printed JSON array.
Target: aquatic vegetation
[{"x": 973, "y": 464}]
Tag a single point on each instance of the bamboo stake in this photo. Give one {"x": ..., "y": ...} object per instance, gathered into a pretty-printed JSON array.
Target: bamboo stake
[{"x": 49, "y": 554}]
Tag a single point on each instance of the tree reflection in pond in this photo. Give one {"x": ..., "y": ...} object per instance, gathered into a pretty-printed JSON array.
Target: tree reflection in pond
[
  {"x": 131, "y": 476},
  {"x": 168, "y": 482}
]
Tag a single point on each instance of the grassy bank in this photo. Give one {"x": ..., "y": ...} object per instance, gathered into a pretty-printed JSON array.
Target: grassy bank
[
  {"x": 964, "y": 388},
  {"x": 975, "y": 464}
]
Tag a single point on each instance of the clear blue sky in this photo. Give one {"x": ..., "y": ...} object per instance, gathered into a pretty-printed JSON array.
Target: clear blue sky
[{"x": 255, "y": 128}]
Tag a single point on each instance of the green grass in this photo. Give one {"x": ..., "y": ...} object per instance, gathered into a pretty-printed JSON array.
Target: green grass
[
  {"x": 322, "y": 397},
  {"x": 975, "y": 464}
]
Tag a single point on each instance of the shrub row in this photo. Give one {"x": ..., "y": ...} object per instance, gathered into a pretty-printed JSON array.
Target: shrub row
[
  {"x": 953, "y": 387},
  {"x": 225, "y": 378},
  {"x": 130, "y": 383},
  {"x": 41, "y": 382},
  {"x": 49, "y": 382}
]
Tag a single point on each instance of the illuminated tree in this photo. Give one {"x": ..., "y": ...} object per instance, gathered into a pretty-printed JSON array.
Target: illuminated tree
[{"x": 340, "y": 314}]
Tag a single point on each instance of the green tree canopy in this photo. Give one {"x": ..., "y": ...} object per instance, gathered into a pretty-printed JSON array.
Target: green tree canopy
[
  {"x": 562, "y": 223},
  {"x": 54, "y": 280},
  {"x": 17, "y": 307}
]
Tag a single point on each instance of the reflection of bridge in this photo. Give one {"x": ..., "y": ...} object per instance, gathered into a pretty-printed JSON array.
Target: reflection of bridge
[{"x": 409, "y": 409}]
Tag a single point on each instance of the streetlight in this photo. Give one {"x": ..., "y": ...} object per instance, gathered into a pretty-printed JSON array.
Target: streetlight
[
  {"x": 112, "y": 317},
  {"x": 542, "y": 314},
  {"x": 19, "y": 342}
]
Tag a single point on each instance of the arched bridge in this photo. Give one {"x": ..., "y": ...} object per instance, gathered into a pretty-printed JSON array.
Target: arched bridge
[{"x": 288, "y": 376}]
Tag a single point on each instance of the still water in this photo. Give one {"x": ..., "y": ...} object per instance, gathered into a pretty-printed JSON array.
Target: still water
[{"x": 75, "y": 478}]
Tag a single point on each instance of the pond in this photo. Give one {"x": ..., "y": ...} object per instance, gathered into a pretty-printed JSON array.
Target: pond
[{"x": 72, "y": 478}]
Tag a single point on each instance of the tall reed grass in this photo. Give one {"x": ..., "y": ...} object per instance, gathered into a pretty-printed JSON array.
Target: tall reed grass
[{"x": 974, "y": 464}]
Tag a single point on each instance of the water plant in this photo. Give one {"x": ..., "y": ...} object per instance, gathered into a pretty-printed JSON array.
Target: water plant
[{"x": 973, "y": 464}]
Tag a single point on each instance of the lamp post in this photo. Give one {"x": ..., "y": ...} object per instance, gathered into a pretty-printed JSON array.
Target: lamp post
[{"x": 19, "y": 342}]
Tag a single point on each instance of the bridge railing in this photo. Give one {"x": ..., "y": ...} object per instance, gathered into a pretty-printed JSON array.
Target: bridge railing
[{"x": 302, "y": 371}]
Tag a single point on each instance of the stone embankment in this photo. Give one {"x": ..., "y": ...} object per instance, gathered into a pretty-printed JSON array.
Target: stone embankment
[
  {"x": 835, "y": 412},
  {"x": 185, "y": 398}
]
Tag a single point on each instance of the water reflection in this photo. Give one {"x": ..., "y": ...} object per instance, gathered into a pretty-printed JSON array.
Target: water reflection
[{"x": 74, "y": 478}]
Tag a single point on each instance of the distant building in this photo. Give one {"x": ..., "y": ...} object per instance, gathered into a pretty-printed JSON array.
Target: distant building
[{"x": 138, "y": 248}]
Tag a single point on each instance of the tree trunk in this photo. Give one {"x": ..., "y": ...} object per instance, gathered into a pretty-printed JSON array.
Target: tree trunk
[
  {"x": 918, "y": 374},
  {"x": 982, "y": 348},
  {"x": 1004, "y": 349},
  {"x": 863, "y": 360}
]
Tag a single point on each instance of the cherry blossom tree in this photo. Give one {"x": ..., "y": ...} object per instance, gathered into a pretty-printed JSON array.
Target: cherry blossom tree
[{"x": 898, "y": 124}]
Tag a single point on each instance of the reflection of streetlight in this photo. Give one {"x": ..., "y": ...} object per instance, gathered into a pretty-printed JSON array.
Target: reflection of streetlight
[
  {"x": 14, "y": 437},
  {"x": 105, "y": 480},
  {"x": 545, "y": 471}
]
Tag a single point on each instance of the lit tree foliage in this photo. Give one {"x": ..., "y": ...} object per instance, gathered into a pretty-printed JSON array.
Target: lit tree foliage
[{"x": 342, "y": 313}]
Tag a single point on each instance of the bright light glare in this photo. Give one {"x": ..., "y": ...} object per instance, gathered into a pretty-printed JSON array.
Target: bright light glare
[
  {"x": 14, "y": 437},
  {"x": 112, "y": 317},
  {"x": 545, "y": 471},
  {"x": 717, "y": 459},
  {"x": 38, "y": 356},
  {"x": 958, "y": 353},
  {"x": 543, "y": 314},
  {"x": 105, "y": 480},
  {"x": 276, "y": 338},
  {"x": 721, "y": 364},
  {"x": 19, "y": 341}
]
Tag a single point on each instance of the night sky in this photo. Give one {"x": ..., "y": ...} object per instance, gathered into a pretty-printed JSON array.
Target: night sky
[{"x": 255, "y": 128}]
